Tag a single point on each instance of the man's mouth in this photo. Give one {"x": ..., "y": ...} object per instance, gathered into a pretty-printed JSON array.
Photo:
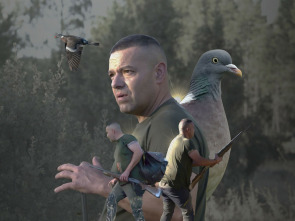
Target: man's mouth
[{"x": 121, "y": 97}]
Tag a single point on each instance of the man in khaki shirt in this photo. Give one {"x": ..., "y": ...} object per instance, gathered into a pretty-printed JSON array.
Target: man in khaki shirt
[{"x": 182, "y": 155}]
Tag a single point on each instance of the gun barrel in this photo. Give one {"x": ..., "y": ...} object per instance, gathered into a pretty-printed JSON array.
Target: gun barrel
[
  {"x": 220, "y": 154},
  {"x": 229, "y": 145}
]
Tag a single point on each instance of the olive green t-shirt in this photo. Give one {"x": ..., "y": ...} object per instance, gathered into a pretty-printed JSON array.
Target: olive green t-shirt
[
  {"x": 155, "y": 134},
  {"x": 179, "y": 168},
  {"x": 123, "y": 156}
]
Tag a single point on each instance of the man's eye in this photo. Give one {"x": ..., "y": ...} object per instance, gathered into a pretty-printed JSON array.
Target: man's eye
[
  {"x": 111, "y": 76},
  {"x": 127, "y": 71}
]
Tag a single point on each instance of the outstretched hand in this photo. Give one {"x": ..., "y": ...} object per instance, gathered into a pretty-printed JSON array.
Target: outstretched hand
[{"x": 84, "y": 178}]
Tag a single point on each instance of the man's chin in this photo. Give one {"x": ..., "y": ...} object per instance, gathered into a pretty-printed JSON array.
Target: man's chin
[{"x": 125, "y": 109}]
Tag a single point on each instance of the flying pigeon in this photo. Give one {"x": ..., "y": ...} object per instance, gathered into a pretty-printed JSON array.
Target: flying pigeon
[
  {"x": 204, "y": 103},
  {"x": 74, "y": 47}
]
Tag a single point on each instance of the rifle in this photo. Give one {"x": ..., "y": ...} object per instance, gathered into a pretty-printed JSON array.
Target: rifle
[
  {"x": 153, "y": 190},
  {"x": 220, "y": 154}
]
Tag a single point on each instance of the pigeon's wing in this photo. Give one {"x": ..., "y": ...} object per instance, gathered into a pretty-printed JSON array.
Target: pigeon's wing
[
  {"x": 72, "y": 42},
  {"x": 74, "y": 58}
]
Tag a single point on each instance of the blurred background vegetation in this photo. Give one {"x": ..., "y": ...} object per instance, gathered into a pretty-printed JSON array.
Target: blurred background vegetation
[{"x": 50, "y": 116}]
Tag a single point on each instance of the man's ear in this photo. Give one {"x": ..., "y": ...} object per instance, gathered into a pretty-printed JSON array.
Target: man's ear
[{"x": 160, "y": 72}]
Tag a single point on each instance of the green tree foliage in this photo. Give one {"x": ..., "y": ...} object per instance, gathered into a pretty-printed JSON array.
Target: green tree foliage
[
  {"x": 8, "y": 34},
  {"x": 37, "y": 135},
  {"x": 279, "y": 85},
  {"x": 72, "y": 13}
]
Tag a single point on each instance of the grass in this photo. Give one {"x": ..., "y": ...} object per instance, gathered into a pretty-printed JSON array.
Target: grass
[{"x": 249, "y": 203}]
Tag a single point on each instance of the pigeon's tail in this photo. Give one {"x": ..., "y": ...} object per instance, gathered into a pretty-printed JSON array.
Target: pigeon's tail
[{"x": 93, "y": 43}]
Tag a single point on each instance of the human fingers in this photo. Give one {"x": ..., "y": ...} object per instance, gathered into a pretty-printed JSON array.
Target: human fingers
[
  {"x": 110, "y": 184},
  {"x": 122, "y": 177},
  {"x": 64, "y": 174},
  {"x": 67, "y": 166},
  {"x": 95, "y": 161},
  {"x": 63, "y": 187},
  {"x": 219, "y": 159}
]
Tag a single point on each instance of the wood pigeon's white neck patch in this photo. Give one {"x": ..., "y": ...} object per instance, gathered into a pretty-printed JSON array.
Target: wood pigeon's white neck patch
[{"x": 188, "y": 98}]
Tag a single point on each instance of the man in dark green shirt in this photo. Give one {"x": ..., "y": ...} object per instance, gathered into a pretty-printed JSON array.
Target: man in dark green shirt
[
  {"x": 126, "y": 158},
  {"x": 181, "y": 156},
  {"x": 140, "y": 84}
]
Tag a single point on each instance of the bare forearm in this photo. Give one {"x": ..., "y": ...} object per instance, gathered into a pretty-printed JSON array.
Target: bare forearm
[
  {"x": 198, "y": 160},
  {"x": 135, "y": 159},
  {"x": 204, "y": 162}
]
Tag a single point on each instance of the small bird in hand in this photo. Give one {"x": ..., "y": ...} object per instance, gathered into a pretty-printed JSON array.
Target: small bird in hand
[{"x": 74, "y": 47}]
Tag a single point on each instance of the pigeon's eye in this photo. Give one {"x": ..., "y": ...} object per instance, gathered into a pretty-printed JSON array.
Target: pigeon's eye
[{"x": 215, "y": 60}]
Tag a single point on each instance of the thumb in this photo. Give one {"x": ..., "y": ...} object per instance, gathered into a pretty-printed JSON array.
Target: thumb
[{"x": 95, "y": 161}]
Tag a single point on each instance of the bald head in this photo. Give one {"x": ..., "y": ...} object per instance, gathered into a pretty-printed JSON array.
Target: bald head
[
  {"x": 115, "y": 126},
  {"x": 114, "y": 131},
  {"x": 186, "y": 128}
]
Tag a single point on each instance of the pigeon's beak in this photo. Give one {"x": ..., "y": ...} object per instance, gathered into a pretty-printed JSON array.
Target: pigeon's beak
[
  {"x": 233, "y": 68},
  {"x": 58, "y": 36}
]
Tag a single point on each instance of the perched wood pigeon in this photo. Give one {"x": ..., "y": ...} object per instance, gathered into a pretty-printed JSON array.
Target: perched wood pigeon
[
  {"x": 204, "y": 103},
  {"x": 74, "y": 47}
]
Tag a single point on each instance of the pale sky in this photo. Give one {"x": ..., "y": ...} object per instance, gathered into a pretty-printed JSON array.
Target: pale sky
[{"x": 44, "y": 29}]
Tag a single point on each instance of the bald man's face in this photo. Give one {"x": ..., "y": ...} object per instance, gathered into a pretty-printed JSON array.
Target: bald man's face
[
  {"x": 132, "y": 72},
  {"x": 110, "y": 134},
  {"x": 189, "y": 131}
]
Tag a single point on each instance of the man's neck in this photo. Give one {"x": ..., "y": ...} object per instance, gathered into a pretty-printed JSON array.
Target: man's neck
[
  {"x": 155, "y": 106},
  {"x": 119, "y": 136}
]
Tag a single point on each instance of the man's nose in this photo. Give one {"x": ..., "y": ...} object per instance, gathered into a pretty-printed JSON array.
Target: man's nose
[{"x": 118, "y": 81}]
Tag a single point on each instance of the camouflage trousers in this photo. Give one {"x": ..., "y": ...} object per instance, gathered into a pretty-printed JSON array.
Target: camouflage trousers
[{"x": 134, "y": 194}]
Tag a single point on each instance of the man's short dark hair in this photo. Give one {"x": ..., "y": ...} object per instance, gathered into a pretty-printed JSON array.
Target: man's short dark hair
[{"x": 135, "y": 40}]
